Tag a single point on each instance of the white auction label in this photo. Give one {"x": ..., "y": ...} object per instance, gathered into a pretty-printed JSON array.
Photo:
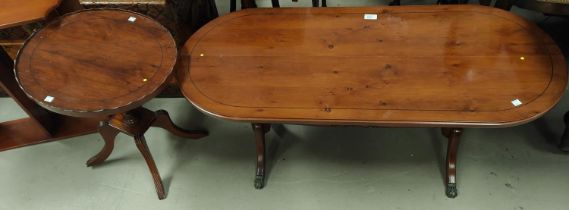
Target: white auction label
[
  {"x": 370, "y": 16},
  {"x": 517, "y": 102},
  {"x": 48, "y": 99}
]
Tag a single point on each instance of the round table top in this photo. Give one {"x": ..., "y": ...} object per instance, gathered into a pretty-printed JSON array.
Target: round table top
[{"x": 96, "y": 62}]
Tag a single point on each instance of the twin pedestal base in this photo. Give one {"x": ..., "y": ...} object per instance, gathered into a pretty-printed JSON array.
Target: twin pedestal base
[
  {"x": 453, "y": 135},
  {"x": 135, "y": 123}
]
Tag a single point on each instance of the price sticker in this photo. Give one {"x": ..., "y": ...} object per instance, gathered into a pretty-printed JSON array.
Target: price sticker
[{"x": 370, "y": 16}]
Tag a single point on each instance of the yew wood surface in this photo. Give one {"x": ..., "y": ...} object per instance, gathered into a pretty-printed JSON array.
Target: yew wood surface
[
  {"x": 41, "y": 126},
  {"x": 26, "y": 132},
  {"x": 457, "y": 65},
  {"x": 18, "y": 12},
  {"x": 96, "y": 62}
]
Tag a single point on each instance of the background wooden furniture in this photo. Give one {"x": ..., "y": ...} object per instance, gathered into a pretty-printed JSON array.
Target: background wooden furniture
[
  {"x": 181, "y": 17},
  {"x": 482, "y": 2},
  {"x": 103, "y": 64},
  {"x": 42, "y": 125},
  {"x": 275, "y": 3},
  {"x": 15, "y": 13},
  {"x": 419, "y": 66},
  {"x": 549, "y": 7}
]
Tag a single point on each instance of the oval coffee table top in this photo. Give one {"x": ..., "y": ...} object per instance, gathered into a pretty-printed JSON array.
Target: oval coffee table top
[
  {"x": 388, "y": 66},
  {"x": 17, "y": 12},
  {"x": 96, "y": 62}
]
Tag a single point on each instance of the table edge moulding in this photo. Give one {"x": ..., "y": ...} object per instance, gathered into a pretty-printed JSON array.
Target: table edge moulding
[{"x": 217, "y": 57}]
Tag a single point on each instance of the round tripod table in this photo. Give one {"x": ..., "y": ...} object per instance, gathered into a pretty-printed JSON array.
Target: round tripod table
[{"x": 106, "y": 63}]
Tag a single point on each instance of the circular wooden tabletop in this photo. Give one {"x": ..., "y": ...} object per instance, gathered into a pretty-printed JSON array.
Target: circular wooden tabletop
[
  {"x": 96, "y": 62},
  {"x": 457, "y": 65}
]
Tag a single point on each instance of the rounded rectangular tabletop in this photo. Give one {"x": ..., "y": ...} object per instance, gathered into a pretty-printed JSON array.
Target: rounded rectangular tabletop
[{"x": 404, "y": 66}]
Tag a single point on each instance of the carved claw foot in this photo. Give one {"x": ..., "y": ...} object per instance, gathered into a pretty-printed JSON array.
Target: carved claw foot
[
  {"x": 453, "y": 135},
  {"x": 451, "y": 190},
  {"x": 259, "y": 182},
  {"x": 260, "y": 130}
]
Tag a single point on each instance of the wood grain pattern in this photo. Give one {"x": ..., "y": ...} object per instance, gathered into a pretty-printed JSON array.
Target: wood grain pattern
[
  {"x": 96, "y": 62},
  {"x": 414, "y": 66},
  {"x": 26, "y": 131},
  {"x": 18, "y": 12},
  {"x": 41, "y": 126}
]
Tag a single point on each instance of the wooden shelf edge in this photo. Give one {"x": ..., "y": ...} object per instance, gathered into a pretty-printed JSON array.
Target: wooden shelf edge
[{"x": 25, "y": 132}]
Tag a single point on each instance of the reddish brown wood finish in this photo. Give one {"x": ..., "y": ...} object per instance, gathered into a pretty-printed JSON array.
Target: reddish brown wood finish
[
  {"x": 135, "y": 123},
  {"x": 415, "y": 66},
  {"x": 41, "y": 126},
  {"x": 260, "y": 130},
  {"x": 114, "y": 65},
  {"x": 445, "y": 66},
  {"x": 108, "y": 133},
  {"x": 103, "y": 63},
  {"x": 140, "y": 142},
  {"x": 26, "y": 132},
  {"x": 18, "y": 12},
  {"x": 453, "y": 135},
  {"x": 42, "y": 118}
]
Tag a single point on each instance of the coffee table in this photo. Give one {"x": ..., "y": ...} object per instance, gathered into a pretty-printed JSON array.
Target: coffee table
[
  {"x": 411, "y": 66},
  {"x": 103, "y": 64}
]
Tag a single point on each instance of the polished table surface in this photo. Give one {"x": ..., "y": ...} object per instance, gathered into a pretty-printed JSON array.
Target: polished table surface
[
  {"x": 461, "y": 66},
  {"x": 41, "y": 125},
  {"x": 17, "y": 12},
  {"x": 96, "y": 62},
  {"x": 106, "y": 64}
]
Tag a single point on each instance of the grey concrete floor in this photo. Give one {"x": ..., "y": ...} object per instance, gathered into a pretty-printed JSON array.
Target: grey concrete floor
[{"x": 310, "y": 167}]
